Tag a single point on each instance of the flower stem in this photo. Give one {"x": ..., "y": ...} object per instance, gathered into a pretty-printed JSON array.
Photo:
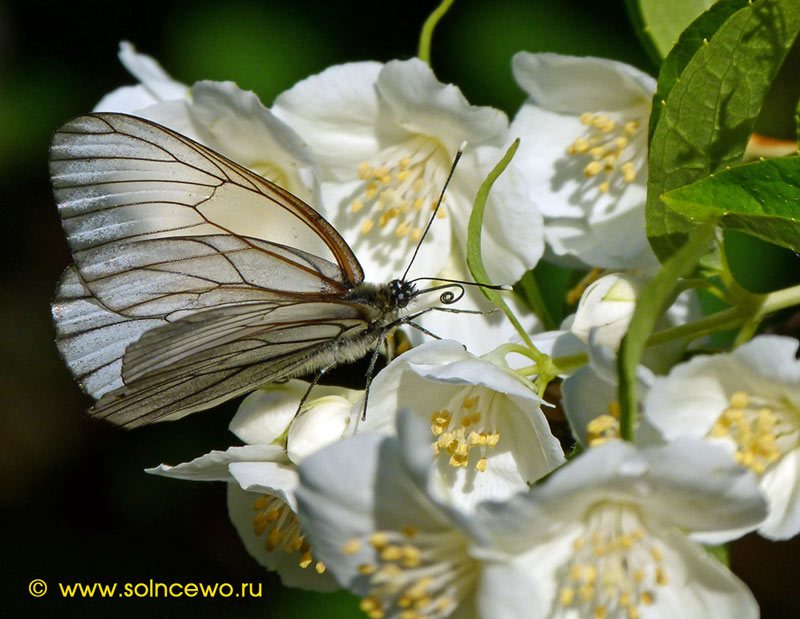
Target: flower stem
[
  {"x": 426, "y": 35},
  {"x": 653, "y": 300},
  {"x": 475, "y": 257},
  {"x": 721, "y": 321},
  {"x": 730, "y": 318}
]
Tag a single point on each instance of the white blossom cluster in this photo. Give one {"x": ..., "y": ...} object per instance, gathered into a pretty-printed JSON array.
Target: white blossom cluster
[{"x": 452, "y": 496}]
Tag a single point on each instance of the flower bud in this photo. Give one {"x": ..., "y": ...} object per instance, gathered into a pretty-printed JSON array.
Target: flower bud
[
  {"x": 322, "y": 421},
  {"x": 607, "y": 305}
]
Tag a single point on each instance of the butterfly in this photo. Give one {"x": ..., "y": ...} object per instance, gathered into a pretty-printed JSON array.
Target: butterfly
[{"x": 196, "y": 280}]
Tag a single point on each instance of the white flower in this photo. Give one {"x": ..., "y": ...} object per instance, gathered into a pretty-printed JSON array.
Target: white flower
[
  {"x": 591, "y": 398},
  {"x": 605, "y": 535},
  {"x": 607, "y": 306},
  {"x": 606, "y": 309},
  {"x": 155, "y": 84},
  {"x": 369, "y": 514},
  {"x": 584, "y": 155},
  {"x": 223, "y": 117},
  {"x": 262, "y": 476},
  {"x": 385, "y": 137},
  {"x": 749, "y": 400},
  {"x": 486, "y": 431}
]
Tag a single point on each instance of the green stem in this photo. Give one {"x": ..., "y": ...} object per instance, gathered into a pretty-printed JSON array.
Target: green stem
[
  {"x": 571, "y": 362},
  {"x": 498, "y": 355},
  {"x": 780, "y": 299},
  {"x": 653, "y": 299},
  {"x": 728, "y": 319},
  {"x": 721, "y": 321},
  {"x": 426, "y": 35},
  {"x": 475, "y": 257}
]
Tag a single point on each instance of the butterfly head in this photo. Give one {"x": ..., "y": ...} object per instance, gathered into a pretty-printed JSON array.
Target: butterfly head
[{"x": 402, "y": 292}]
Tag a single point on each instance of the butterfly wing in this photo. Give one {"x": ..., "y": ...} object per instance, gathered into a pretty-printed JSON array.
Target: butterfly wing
[
  {"x": 151, "y": 283},
  {"x": 119, "y": 178},
  {"x": 157, "y": 226},
  {"x": 209, "y": 357}
]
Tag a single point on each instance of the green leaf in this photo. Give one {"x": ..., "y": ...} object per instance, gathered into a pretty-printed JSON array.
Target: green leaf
[
  {"x": 760, "y": 198},
  {"x": 660, "y": 23},
  {"x": 702, "y": 29},
  {"x": 797, "y": 123},
  {"x": 759, "y": 266},
  {"x": 709, "y": 113},
  {"x": 651, "y": 304},
  {"x": 720, "y": 553}
]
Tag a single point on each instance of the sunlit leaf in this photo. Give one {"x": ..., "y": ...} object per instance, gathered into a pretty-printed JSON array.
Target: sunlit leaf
[
  {"x": 760, "y": 198},
  {"x": 709, "y": 113},
  {"x": 660, "y": 23}
]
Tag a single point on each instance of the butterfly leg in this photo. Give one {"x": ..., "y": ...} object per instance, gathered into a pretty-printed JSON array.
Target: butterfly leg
[
  {"x": 371, "y": 369},
  {"x": 311, "y": 385}
]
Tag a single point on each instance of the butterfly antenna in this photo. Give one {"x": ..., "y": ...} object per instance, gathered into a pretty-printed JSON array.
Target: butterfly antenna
[{"x": 436, "y": 209}]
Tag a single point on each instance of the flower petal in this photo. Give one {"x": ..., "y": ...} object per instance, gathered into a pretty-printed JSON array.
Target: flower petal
[
  {"x": 573, "y": 84},
  {"x": 337, "y": 113},
  {"x": 264, "y": 416},
  {"x": 353, "y": 488},
  {"x": 235, "y": 123},
  {"x": 274, "y": 478},
  {"x": 781, "y": 486},
  {"x": 323, "y": 421},
  {"x": 422, "y": 104},
  {"x": 240, "y": 510},
  {"x": 213, "y": 466},
  {"x": 156, "y": 85}
]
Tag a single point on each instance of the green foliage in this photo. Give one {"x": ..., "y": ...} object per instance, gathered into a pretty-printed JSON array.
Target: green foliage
[
  {"x": 709, "y": 112},
  {"x": 761, "y": 198},
  {"x": 759, "y": 266},
  {"x": 690, "y": 41},
  {"x": 659, "y": 23}
]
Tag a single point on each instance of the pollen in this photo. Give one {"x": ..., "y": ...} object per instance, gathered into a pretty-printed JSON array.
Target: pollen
[
  {"x": 280, "y": 529},
  {"x": 410, "y": 580},
  {"x": 612, "y": 144},
  {"x": 402, "y": 229},
  {"x": 464, "y": 430},
  {"x": 603, "y": 429},
  {"x": 616, "y": 567},
  {"x": 761, "y": 430},
  {"x": 402, "y": 179},
  {"x": 351, "y": 547}
]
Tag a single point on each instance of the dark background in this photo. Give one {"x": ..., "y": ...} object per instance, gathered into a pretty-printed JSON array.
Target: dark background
[{"x": 76, "y": 505}]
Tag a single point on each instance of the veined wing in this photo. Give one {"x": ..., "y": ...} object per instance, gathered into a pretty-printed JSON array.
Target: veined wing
[
  {"x": 168, "y": 276},
  {"x": 212, "y": 356},
  {"x": 91, "y": 338},
  {"x": 119, "y": 178},
  {"x": 140, "y": 285}
]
